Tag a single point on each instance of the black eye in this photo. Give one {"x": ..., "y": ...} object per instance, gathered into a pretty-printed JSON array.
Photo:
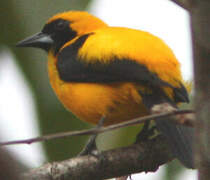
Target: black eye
[{"x": 60, "y": 25}]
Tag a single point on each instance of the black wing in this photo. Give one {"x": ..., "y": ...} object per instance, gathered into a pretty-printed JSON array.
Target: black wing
[{"x": 73, "y": 69}]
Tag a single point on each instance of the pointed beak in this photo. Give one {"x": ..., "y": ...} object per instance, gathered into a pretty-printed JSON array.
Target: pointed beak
[{"x": 39, "y": 40}]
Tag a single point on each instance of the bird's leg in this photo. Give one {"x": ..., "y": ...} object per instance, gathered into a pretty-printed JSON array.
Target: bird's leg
[
  {"x": 90, "y": 147},
  {"x": 145, "y": 133}
]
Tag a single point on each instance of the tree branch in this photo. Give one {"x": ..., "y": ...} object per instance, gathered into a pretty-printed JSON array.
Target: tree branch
[
  {"x": 146, "y": 156},
  {"x": 184, "y": 117},
  {"x": 201, "y": 48},
  {"x": 186, "y": 4},
  {"x": 143, "y": 157}
]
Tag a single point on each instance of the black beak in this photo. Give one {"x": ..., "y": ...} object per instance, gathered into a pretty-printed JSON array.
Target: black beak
[{"x": 39, "y": 40}]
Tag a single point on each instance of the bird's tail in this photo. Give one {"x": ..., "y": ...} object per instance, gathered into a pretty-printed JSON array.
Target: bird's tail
[{"x": 180, "y": 139}]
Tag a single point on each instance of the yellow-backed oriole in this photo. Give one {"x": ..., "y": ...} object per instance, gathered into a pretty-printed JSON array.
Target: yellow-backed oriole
[{"x": 119, "y": 73}]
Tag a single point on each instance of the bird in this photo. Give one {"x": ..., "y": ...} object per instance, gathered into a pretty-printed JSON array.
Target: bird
[{"x": 118, "y": 73}]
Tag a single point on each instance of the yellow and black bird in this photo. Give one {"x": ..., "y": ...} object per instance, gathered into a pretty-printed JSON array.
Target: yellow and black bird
[{"x": 113, "y": 72}]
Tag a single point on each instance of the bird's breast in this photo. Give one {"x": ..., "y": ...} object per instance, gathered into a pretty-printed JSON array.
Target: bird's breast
[{"x": 90, "y": 101}]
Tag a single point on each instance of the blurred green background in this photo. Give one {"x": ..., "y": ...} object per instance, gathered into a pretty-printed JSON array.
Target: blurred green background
[{"x": 22, "y": 18}]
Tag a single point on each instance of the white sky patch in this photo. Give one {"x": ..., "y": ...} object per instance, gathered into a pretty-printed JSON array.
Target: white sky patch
[
  {"x": 159, "y": 17},
  {"x": 17, "y": 114},
  {"x": 150, "y": 176}
]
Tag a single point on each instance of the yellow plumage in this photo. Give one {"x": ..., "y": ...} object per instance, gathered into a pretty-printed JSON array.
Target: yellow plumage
[
  {"x": 117, "y": 101},
  {"x": 90, "y": 101},
  {"x": 113, "y": 72}
]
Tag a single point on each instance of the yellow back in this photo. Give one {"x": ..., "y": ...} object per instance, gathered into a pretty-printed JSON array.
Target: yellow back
[{"x": 136, "y": 45}]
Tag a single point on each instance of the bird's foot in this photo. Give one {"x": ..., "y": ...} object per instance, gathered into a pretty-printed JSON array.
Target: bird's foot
[
  {"x": 145, "y": 133},
  {"x": 91, "y": 148}
]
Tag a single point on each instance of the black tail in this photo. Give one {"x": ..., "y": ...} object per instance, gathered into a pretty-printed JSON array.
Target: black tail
[{"x": 180, "y": 139}]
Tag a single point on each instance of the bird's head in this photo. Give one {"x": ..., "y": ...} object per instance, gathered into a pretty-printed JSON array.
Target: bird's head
[{"x": 61, "y": 29}]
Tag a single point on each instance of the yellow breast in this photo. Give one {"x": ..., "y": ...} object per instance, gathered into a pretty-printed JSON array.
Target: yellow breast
[{"x": 90, "y": 101}]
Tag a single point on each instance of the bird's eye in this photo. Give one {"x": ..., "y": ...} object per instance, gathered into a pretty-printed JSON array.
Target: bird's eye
[{"x": 60, "y": 25}]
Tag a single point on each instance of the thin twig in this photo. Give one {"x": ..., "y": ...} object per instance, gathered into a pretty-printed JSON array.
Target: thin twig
[{"x": 188, "y": 122}]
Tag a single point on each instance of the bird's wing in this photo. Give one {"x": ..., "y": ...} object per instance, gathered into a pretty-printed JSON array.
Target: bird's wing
[{"x": 72, "y": 68}]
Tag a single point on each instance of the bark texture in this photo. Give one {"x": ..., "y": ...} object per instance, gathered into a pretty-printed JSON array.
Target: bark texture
[{"x": 143, "y": 157}]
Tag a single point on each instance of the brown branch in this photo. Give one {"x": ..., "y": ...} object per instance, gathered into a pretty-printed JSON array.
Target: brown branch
[
  {"x": 186, "y": 4},
  {"x": 163, "y": 110},
  {"x": 186, "y": 119},
  {"x": 143, "y": 157},
  {"x": 201, "y": 48}
]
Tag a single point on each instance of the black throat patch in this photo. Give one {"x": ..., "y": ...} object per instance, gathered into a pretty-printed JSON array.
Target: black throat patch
[{"x": 60, "y": 31}]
